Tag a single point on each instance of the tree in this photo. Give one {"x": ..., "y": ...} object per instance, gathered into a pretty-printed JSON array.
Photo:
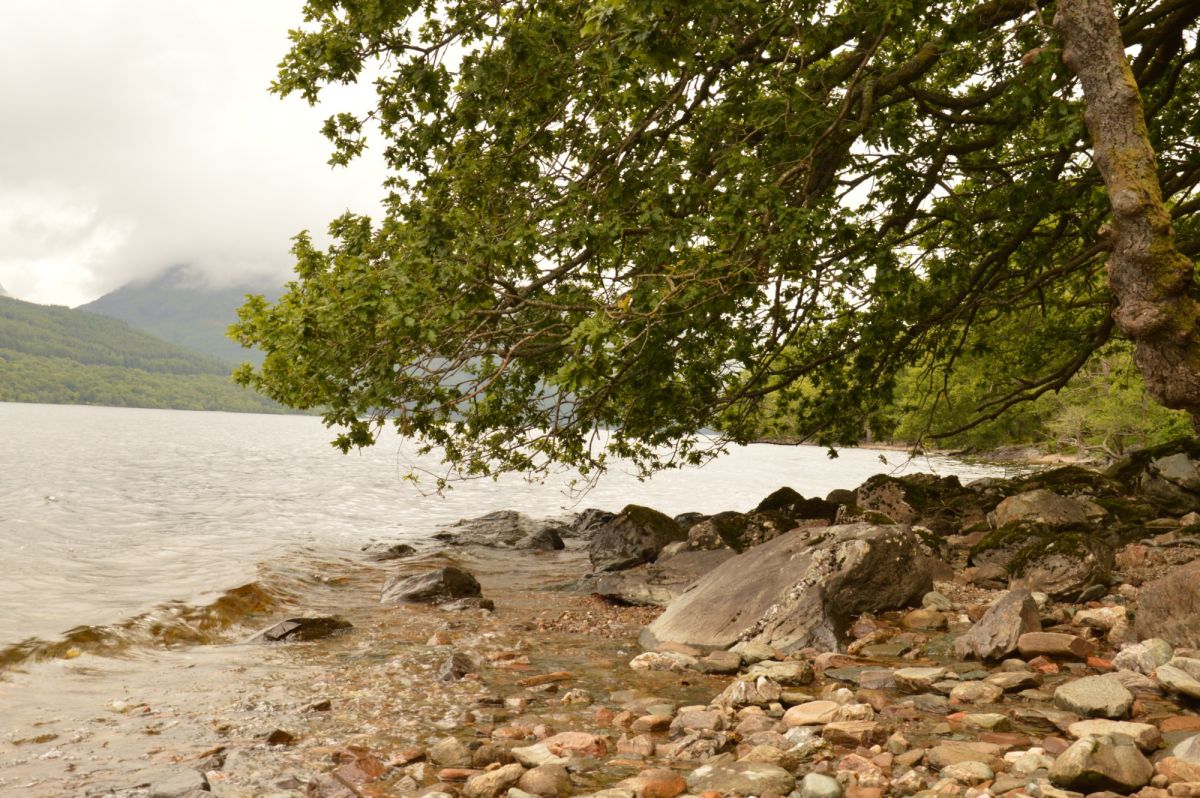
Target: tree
[{"x": 613, "y": 224}]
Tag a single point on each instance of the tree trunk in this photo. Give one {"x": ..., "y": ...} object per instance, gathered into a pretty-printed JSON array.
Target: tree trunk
[{"x": 1154, "y": 284}]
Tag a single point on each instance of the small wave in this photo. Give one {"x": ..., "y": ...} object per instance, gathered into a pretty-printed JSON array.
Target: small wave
[{"x": 176, "y": 623}]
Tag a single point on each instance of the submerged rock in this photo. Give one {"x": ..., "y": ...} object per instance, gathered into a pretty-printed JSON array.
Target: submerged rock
[
  {"x": 506, "y": 529},
  {"x": 295, "y": 630},
  {"x": 432, "y": 587},
  {"x": 801, "y": 589},
  {"x": 655, "y": 583}
]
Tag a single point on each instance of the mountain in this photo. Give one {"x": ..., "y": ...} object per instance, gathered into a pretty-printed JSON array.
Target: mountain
[
  {"x": 56, "y": 355},
  {"x": 179, "y": 306}
]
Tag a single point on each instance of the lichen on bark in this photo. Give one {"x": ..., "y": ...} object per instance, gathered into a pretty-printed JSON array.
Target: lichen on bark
[{"x": 1153, "y": 282}]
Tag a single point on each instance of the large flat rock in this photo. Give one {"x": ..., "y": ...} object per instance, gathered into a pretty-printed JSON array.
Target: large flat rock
[{"x": 803, "y": 588}]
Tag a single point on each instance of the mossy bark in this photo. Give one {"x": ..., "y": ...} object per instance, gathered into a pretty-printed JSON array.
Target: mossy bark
[{"x": 1153, "y": 282}]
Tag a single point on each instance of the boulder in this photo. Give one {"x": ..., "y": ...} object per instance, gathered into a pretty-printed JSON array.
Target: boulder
[
  {"x": 507, "y": 529},
  {"x": 382, "y": 552},
  {"x": 801, "y": 589},
  {"x": 1169, "y": 607},
  {"x": 798, "y": 508},
  {"x": 1107, "y": 762},
  {"x": 1039, "y": 506},
  {"x": 634, "y": 536},
  {"x": 1064, "y": 568},
  {"x": 585, "y": 524},
  {"x": 1172, "y": 483},
  {"x": 295, "y": 630},
  {"x": 655, "y": 583},
  {"x": 431, "y": 587},
  {"x": 995, "y": 635}
]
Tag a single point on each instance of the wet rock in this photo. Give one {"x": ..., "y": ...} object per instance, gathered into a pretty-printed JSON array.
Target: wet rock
[
  {"x": 917, "y": 680},
  {"x": 722, "y": 662},
  {"x": 986, "y": 722},
  {"x": 573, "y": 743},
  {"x": 975, "y": 693},
  {"x": 819, "y": 785},
  {"x": 924, "y": 619},
  {"x": 655, "y": 583},
  {"x": 383, "y": 552},
  {"x": 749, "y": 691},
  {"x": 996, "y": 634},
  {"x": 1056, "y": 645},
  {"x": 532, "y": 756},
  {"x": 786, "y": 674},
  {"x": 1095, "y": 697},
  {"x": 656, "y": 783},
  {"x": 952, "y": 752},
  {"x": 494, "y": 782},
  {"x": 450, "y": 753},
  {"x": 432, "y": 587},
  {"x": 745, "y": 778},
  {"x": 295, "y": 630},
  {"x": 471, "y": 603},
  {"x": 832, "y": 576},
  {"x": 280, "y": 737},
  {"x": 1147, "y": 737},
  {"x": 1169, "y": 607},
  {"x": 1039, "y": 506},
  {"x": 1014, "y": 681},
  {"x": 1144, "y": 657},
  {"x": 663, "y": 661},
  {"x": 1102, "y": 763},
  {"x": 507, "y": 529},
  {"x": 634, "y": 536},
  {"x": 853, "y": 733},
  {"x": 700, "y": 720},
  {"x": 178, "y": 784},
  {"x": 455, "y": 667}
]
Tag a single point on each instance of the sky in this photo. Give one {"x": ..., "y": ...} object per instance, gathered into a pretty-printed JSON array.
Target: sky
[{"x": 140, "y": 134}]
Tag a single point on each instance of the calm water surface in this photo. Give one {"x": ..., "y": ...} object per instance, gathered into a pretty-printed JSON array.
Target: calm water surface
[{"x": 107, "y": 514}]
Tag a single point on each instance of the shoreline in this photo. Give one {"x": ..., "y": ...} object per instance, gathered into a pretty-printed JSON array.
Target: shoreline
[{"x": 424, "y": 700}]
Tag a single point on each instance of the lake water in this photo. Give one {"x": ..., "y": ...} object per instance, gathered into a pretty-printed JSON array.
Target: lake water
[{"x": 124, "y": 525}]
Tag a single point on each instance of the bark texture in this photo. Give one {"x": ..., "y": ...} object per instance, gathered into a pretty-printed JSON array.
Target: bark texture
[{"x": 1154, "y": 284}]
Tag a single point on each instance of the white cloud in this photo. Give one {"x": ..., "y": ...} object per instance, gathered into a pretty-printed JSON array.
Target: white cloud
[{"x": 139, "y": 134}]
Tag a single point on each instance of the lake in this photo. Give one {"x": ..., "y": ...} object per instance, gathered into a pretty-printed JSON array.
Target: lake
[{"x": 129, "y": 526}]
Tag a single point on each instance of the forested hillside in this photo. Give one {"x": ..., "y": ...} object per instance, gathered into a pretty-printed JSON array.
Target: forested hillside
[
  {"x": 57, "y": 355},
  {"x": 178, "y": 306}
]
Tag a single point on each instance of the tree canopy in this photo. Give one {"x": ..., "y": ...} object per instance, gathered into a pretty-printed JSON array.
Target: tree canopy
[{"x": 612, "y": 225}]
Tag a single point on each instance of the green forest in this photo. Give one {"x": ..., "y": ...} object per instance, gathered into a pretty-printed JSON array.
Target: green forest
[{"x": 56, "y": 355}]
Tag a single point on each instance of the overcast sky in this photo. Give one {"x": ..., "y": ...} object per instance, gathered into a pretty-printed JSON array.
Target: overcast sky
[{"x": 139, "y": 134}]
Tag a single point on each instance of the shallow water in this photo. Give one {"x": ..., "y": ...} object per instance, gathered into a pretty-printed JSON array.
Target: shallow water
[{"x": 122, "y": 526}]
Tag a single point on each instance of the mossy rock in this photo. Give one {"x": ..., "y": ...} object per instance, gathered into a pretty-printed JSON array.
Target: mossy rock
[
  {"x": 1069, "y": 481},
  {"x": 1028, "y": 549},
  {"x": 1127, "y": 511},
  {"x": 782, "y": 500},
  {"x": 940, "y": 503},
  {"x": 1128, "y": 470}
]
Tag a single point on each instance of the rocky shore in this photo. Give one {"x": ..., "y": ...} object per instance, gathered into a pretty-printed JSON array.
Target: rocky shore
[{"x": 913, "y": 637}]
